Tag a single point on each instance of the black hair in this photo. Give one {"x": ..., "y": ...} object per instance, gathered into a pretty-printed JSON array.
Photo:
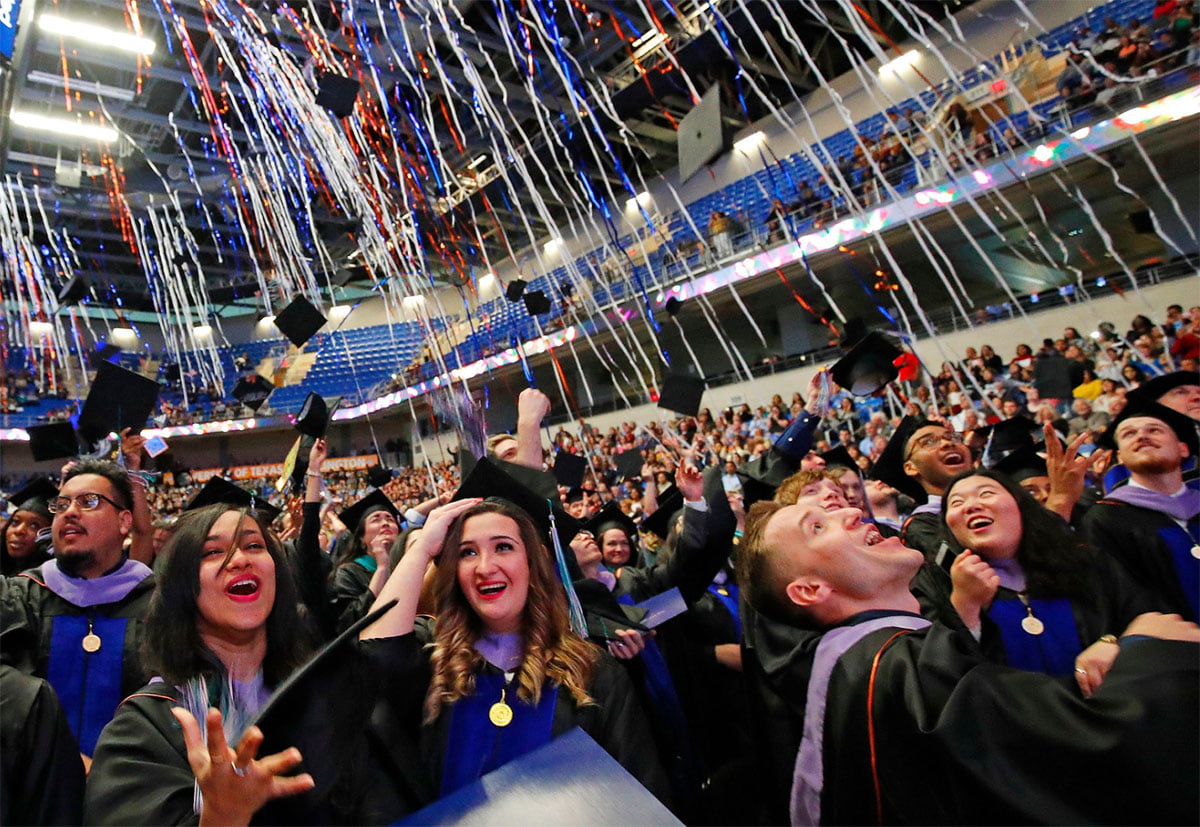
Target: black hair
[
  {"x": 1055, "y": 562},
  {"x": 111, "y": 472},
  {"x": 353, "y": 548},
  {"x": 171, "y": 643}
]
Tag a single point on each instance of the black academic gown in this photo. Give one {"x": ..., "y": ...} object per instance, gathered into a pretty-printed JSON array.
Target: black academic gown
[
  {"x": 616, "y": 720},
  {"x": 1146, "y": 542},
  {"x": 41, "y": 773},
  {"x": 925, "y": 533},
  {"x": 1110, "y": 603},
  {"x": 349, "y": 594},
  {"x": 960, "y": 740},
  {"x": 28, "y": 612}
]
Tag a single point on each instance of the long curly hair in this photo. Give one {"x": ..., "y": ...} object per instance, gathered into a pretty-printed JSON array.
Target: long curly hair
[
  {"x": 171, "y": 643},
  {"x": 1055, "y": 562},
  {"x": 552, "y": 651}
]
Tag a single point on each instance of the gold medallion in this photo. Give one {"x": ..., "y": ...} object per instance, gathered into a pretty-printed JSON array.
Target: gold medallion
[
  {"x": 1032, "y": 625},
  {"x": 500, "y": 714},
  {"x": 91, "y": 642}
]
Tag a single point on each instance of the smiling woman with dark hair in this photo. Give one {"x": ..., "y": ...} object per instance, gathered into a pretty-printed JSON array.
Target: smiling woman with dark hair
[
  {"x": 222, "y": 631},
  {"x": 1034, "y": 595}
]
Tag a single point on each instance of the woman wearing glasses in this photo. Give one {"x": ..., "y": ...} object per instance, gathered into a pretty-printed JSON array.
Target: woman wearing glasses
[{"x": 76, "y": 620}]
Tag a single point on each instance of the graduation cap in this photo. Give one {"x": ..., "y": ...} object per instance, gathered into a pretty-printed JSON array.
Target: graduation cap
[
  {"x": 375, "y": 501},
  {"x": 299, "y": 321},
  {"x": 659, "y": 522},
  {"x": 102, "y": 354},
  {"x": 673, "y": 306},
  {"x": 868, "y": 366},
  {"x": 681, "y": 394},
  {"x": 575, "y": 495},
  {"x": 309, "y": 711},
  {"x": 74, "y": 290},
  {"x": 492, "y": 478},
  {"x": 629, "y": 463},
  {"x": 171, "y": 372},
  {"x": 379, "y": 475},
  {"x": 840, "y": 457},
  {"x": 889, "y": 467},
  {"x": 569, "y": 469},
  {"x": 1007, "y": 436},
  {"x": 515, "y": 289},
  {"x": 337, "y": 93},
  {"x": 1022, "y": 464},
  {"x": 34, "y": 497},
  {"x": 252, "y": 391},
  {"x": 762, "y": 475},
  {"x": 611, "y": 516},
  {"x": 537, "y": 303},
  {"x": 55, "y": 440},
  {"x": 1183, "y": 426},
  {"x": 119, "y": 399},
  {"x": 315, "y": 413},
  {"x": 1153, "y": 389},
  {"x": 219, "y": 490}
]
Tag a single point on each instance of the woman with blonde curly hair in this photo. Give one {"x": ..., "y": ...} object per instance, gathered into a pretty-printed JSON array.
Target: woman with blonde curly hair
[{"x": 503, "y": 670}]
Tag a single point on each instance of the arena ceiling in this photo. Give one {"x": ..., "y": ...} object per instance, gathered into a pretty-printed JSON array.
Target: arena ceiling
[{"x": 187, "y": 140}]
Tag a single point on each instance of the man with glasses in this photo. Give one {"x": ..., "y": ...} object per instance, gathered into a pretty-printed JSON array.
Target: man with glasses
[
  {"x": 920, "y": 460},
  {"x": 76, "y": 620}
]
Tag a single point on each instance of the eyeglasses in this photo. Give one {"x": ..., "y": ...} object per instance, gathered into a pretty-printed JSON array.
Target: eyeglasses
[
  {"x": 86, "y": 502},
  {"x": 929, "y": 440}
]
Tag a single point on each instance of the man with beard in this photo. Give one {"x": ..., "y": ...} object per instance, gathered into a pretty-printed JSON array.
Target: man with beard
[
  {"x": 1179, "y": 391},
  {"x": 1152, "y": 522},
  {"x": 75, "y": 621},
  {"x": 920, "y": 460},
  {"x": 922, "y": 729}
]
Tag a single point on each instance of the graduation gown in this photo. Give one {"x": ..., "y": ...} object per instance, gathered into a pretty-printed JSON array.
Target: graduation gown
[
  {"x": 41, "y": 634},
  {"x": 350, "y": 595},
  {"x": 1111, "y": 602},
  {"x": 1155, "y": 550},
  {"x": 41, "y": 774},
  {"x": 961, "y": 740},
  {"x": 923, "y": 531},
  {"x": 615, "y": 720}
]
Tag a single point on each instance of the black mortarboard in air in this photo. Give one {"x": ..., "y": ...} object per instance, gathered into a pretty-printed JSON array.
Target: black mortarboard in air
[
  {"x": 491, "y": 478},
  {"x": 1023, "y": 463},
  {"x": 840, "y": 457},
  {"x": 1183, "y": 426},
  {"x": 74, "y": 290},
  {"x": 611, "y": 516},
  {"x": 34, "y": 497},
  {"x": 299, "y": 321},
  {"x": 1007, "y": 436},
  {"x": 659, "y": 522},
  {"x": 889, "y": 467},
  {"x": 102, "y": 354},
  {"x": 1153, "y": 389},
  {"x": 55, "y": 440},
  {"x": 219, "y": 490},
  {"x": 569, "y": 468},
  {"x": 337, "y": 93},
  {"x": 378, "y": 476},
  {"x": 119, "y": 399},
  {"x": 375, "y": 501},
  {"x": 310, "y": 711},
  {"x": 673, "y": 306},
  {"x": 315, "y": 413},
  {"x": 515, "y": 289},
  {"x": 763, "y": 474},
  {"x": 868, "y": 366},
  {"x": 681, "y": 394},
  {"x": 536, "y": 302},
  {"x": 574, "y": 495},
  {"x": 252, "y": 391},
  {"x": 628, "y": 463}
]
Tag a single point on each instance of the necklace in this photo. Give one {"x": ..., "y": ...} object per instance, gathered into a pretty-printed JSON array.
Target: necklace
[
  {"x": 1030, "y": 623},
  {"x": 501, "y": 714},
  {"x": 91, "y": 641}
]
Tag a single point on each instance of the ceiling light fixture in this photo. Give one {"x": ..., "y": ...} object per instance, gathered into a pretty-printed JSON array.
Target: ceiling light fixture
[
  {"x": 896, "y": 63},
  {"x": 62, "y": 126},
  {"x": 102, "y": 35},
  {"x": 479, "y": 160},
  {"x": 40, "y": 328},
  {"x": 100, "y": 90}
]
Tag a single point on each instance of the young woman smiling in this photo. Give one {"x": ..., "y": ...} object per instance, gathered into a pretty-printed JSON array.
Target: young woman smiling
[
  {"x": 223, "y": 629},
  {"x": 505, "y": 673},
  {"x": 1034, "y": 595}
]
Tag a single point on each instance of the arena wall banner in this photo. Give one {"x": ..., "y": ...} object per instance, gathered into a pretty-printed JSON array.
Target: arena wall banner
[{"x": 274, "y": 469}]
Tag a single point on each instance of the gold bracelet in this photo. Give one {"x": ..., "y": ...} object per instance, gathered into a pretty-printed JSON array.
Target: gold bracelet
[{"x": 1109, "y": 639}]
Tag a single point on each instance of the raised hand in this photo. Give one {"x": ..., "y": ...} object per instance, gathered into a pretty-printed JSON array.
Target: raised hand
[{"x": 975, "y": 585}]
